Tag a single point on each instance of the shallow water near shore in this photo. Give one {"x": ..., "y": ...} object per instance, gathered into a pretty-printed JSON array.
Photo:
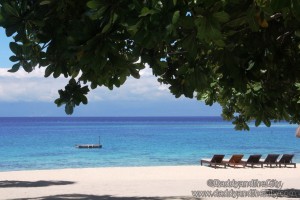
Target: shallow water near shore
[{"x": 49, "y": 143}]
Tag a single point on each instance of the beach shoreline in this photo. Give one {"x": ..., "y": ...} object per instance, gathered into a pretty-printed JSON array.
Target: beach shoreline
[{"x": 158, "y": 182}]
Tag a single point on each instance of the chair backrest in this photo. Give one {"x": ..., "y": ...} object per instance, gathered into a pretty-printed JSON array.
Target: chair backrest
[
  {"x": 254, "y": 158},
  {"x": 217, "y": 158},
  {"x": 286, "y": 158},
  {"x": 271, "y": 158},
  {"x": 236, "y": 158}
]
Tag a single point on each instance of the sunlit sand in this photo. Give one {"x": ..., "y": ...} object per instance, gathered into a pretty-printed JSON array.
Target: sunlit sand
[{"x": 164, "y": 182}]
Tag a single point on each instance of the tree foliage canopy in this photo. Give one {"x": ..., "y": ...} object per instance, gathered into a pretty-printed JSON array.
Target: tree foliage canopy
[{"x": 242, "y": 54}]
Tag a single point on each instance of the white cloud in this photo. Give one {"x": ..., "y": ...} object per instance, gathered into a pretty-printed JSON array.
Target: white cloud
[
  {"x": 32, "y": 87},
  {"x": 145, "y": 88},
  {"x": 23, "y": 86}
]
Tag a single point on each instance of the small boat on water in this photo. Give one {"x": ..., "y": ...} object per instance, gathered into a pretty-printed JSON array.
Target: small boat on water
[{"x": 89, "y": 146}]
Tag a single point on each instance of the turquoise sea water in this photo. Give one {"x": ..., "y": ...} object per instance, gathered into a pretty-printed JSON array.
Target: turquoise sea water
[{"x": 49, "y": 143}]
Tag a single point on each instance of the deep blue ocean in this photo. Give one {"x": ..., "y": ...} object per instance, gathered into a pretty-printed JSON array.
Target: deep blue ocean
[{"x": 49, "y": 143}]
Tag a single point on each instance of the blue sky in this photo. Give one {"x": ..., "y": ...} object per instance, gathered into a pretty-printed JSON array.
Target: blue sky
[{"x": 23, "y": 94}]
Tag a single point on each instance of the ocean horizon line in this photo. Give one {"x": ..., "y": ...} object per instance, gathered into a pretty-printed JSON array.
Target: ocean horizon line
[{"x": 142, "y": 116}]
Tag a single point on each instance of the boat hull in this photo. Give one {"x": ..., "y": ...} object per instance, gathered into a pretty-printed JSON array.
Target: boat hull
[{"x": 88, "y": 146}]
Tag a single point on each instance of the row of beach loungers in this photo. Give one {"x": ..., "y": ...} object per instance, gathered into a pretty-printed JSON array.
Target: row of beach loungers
[{"x": 253, "y": 161}]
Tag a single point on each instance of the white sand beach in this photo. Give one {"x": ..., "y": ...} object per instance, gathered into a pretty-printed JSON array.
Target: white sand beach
[{"x": 160, "y": 183}]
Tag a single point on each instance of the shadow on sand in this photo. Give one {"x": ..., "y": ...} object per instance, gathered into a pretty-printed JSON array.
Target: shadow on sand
[
  {"x": 104, "y": 197},
  {"x": 285, "y": 193},
  {"x": 12, "y": 183}
]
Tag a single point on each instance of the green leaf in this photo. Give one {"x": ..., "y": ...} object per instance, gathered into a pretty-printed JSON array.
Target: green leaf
[
  {"x": 9, "y": 31},
  {"x": 114, "y": 18},
  {"x": 94, "y": 4},
  {"x": 175, "y": 17},
  {"x": 83, "y": 99},
  {"x": 134, "y": 28},
  {"x": 27, "y": 67},
  {"x": 85, "y": 90},
  {"x": 106, "y": 27},
  {"x": 45, "y": 2},
  {"x": 190, "y": 46},
  {"x": 1, "y": 19},
  {"x": 131, "y": 6},
  {"x": 69, "y": 109},
  {"x": 174, "y": 2},
  {"x": 75, "y": 73},
  {"x": 170, "y": 29},
  {"x": 94, "y": 85},
  {"x": 237, "y": 22},
  {"x": 15, "y": 68},
  {"x": 19, "y": 37},
  {"x": 267, "y": 122},
  {"x": 122, "y": 79},
  {"x": 38, "y": 23},
  {"x": 59, "y": 102},
  {"x": 220, "y": 43},
  {"x": 252, "y": 20},
  {"x": 146, "y": 11},
  {"x": 14, "y": 58},
  {"x": 57, "y": 72},
  {"x": 15, "y": 48},
  {"x": 296, "y": 9},
  {"x": 221, "y": 16},
  {"x": 257, "y": 122},
  {"x": 43, "y": 62},
  {"x": 208, "y": 29},
  {"x": 297, "y": 33},
  {"x": 134, "y": 73},
  {"x": 257, "y": 87},
  {"x": 279, "y": 4},
  {"x": 10, "y": 10},
  {"x": 49, "y": 70}
]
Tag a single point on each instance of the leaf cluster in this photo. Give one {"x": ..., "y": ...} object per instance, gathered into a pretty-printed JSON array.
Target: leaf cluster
[{"x": 243, "y": 55}]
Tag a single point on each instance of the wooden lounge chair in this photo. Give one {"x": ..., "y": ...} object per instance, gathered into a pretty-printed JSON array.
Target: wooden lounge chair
[
  {"x": 217, "y": 160},
  {"x": 235, "y": 160},
  {"x": 253, "y": 160},
  {"x": 271, "y": 159},
  {"x": 286, "y": 159}
]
